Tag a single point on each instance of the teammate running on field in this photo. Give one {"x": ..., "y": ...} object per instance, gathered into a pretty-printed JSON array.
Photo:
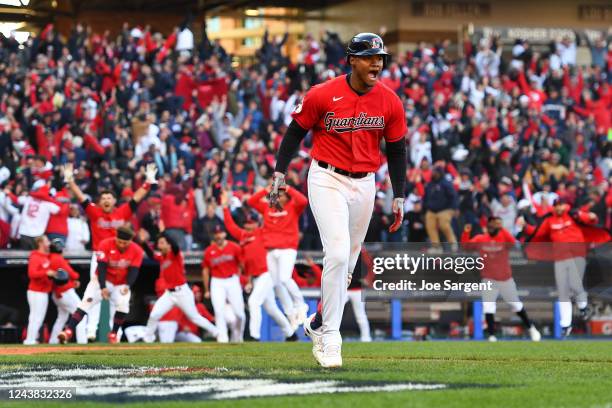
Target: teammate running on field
[
  {"x": 281, "y": 238},
  {"x": 104, "y": 219},
  {"x": 65, "y": 296},
  {"x": 255, "y": 266},
  {"x": 119, "y": 261},
  {"x": 220, "y": 270},
  {"x": 177, "y": 291},
  {"x": 349, "y": 116},
  {"x": 494, "y": 246}
]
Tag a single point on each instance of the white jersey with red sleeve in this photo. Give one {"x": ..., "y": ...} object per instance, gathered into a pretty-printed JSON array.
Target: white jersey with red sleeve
[
  {"x": 104, "y": 225},
  {"x": 35, "y": 216},
  {"x": 348, "y": 127}
]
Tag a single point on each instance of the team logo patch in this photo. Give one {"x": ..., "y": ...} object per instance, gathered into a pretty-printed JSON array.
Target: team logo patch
[
  {"x": 112, "y": 384},
  {"x": 350, "y": 124},
  {"x": 298, "y": 108}
]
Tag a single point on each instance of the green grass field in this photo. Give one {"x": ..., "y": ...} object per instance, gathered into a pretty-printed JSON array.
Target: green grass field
[{"x": 475, "y": 374}]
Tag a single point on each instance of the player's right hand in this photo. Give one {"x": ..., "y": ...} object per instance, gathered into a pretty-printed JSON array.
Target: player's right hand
[
  {"x": 398, "y": 213},
  {"x": 207, "y": 295},
  {"x": 105, "y": 293},
  {"x": 467, "y": 228},
  {"x": 68, "y": 173},
  {"x": 278, "y": 183}
]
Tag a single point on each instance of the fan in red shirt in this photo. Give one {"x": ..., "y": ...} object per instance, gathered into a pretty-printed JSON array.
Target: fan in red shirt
[
  {"x": 119, "y": 261},
  {"x": 494, "y": 246},
  {"x": 177, "y": 292},
  {"x": 64, "y": 296},
  {"x": 281, "y": 238},
  {"x": 251, "y": 239},
  {"x": 569, "y": 236},
  {"x": 221, "y": 265},
  {"x": 104, "y": 219},
  {"x": 40, "y": 274}
]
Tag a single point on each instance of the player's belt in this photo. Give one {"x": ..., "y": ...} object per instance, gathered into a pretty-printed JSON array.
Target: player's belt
[{"x": 328, "y": 166}]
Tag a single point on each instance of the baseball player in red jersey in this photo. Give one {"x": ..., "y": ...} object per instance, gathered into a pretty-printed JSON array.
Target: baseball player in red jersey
[
  {"x": 177, "y": 292},
  {"x": 220, "y": 269},
  {"x": 494, "y": 246},
  {"x": 255, "y": 266},
  {"x": 40, "y": 274},
  {"x": 104, "y": 219},
  {"x": 349, "y": 116},
  {"x": 281, "y": 239},
  {"x": 119, "y": 261},
  {"x": 570, "y": 235},
  {"x": 64, "y": 296}
]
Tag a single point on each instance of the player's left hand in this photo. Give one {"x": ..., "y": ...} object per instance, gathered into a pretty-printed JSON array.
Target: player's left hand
[
  {"x": 150, "y": 173},
  {"x": 124, "y": 290},
  {"x": 248, "y": 287},
  {"x": 278, "y": 183},
  {"x": 398, "y": 213},
  {"x": 77, "y": 284}
]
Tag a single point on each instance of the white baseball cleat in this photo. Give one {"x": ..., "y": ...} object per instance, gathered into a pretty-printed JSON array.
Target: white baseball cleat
[
  {"x": 317, "y": 338},
  {"x": 492, "y": 339},
  {"x": 534, "y": 334},
  {"x": 331, "y": 357}
]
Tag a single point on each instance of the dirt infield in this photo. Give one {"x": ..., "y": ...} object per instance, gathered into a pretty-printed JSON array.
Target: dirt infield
[{"x": 28, "y": 350}]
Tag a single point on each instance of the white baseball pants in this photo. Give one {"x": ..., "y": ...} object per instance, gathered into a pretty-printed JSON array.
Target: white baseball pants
[
  {"x": 568, "y": 277},
  {"x": 342, "y": 208},
  {"x": 93, "y": 296},
  {"x": 38, "y": 302},
  {"x": 508, "y": 292},
  {"x": 354, "y": 296},
  {"x": 263, "y": 294},
  {"x": 280, "y": 266},
  {"x": 222, "y": 291},
  {"x": 93, "y": 316},
  {"x": 66, "y": 305},
  {"x": 183, "y": 298},
  {"x": 166, "y": 331}
]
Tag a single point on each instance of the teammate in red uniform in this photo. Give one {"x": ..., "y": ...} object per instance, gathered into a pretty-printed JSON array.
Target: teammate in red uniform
[
  {"x": 281, "y": 238},
  {"x": 494, "y": 246},
  {"x": 177, "y": 292},
  {"x": 119, "y": 261},
  {"x": 40, "y": 274},
  {"x": 349, "y": 117},
  {"x": 64, "y": 296},
  {"x": 104, "y": 219},
  {"x": 221, "y": 264},
  {"x": 569, "y": 235},
  {"x": 255, "y": 265}
]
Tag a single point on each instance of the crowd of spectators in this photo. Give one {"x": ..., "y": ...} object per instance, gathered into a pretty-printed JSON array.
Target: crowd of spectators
[{"x": 490, "y": 133}]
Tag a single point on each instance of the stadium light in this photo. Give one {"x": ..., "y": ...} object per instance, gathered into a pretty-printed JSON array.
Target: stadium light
[
  {"x": 251, "y": 12},
  {"x": 15, "y": 3}
]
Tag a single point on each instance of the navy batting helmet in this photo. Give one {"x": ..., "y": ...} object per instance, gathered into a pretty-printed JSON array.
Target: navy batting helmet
[
  {"x": 61, "y": 277},
  {"x": 366, "y": 44}
]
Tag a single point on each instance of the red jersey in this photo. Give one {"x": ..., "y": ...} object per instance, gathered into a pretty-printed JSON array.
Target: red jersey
[
  {"x": 562, "y": 230},
  {"x": 348, "y": 127},
  {"x": 57, "y": 262},
  {"x": 280, "y": 228},
  {"x": 38, "y": 265},
  {"x": 494, "y": 251},
  {"x": 104, "y": 225},
  {"x": 171, "y": 268},
  {"x": 58, "y": 223},
  {"x": 174, "y": 215},
  {"x": 253, "y": 251},
  {"x": 187, "y": 325},
  {"x": 119, "y": 262},
  {"x": 222, "y": 262}
]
